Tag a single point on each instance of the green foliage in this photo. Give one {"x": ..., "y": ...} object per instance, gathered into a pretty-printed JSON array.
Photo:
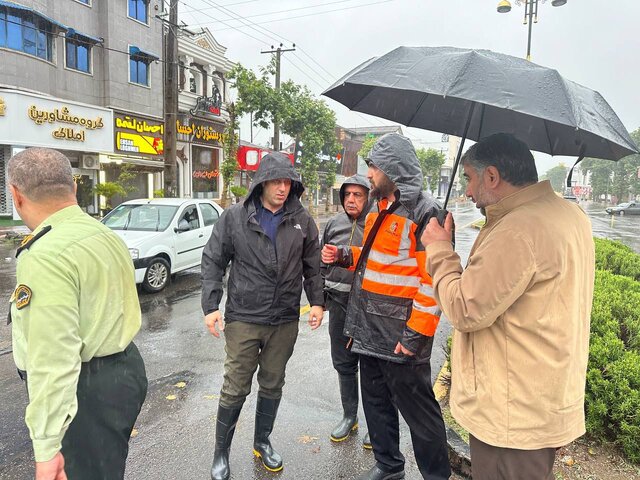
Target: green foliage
[
  {"x": 367, "y": 145},
  {"x": 617, "y": 178},
  {"x": 108, "y": 190},
  {"x": 557, "y": 176},
  {"x": 431, "y": 161},
  {"x": 239, "y": 192},
  {"x": 297, "y": 112},
  {"x": 159, "y": 193},
  {"x": 613, "y": 375},
  {"x": 230, "y": 163},
  {"x": 617, "y": 258}
]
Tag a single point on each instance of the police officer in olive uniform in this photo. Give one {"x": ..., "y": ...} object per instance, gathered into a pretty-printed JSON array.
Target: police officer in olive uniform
[{"x": 74, "y": 314}]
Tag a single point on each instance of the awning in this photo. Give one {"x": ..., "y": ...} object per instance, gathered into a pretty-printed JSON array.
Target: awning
[
  {"x": 137, "y": 52},
  {"x": 22, "y": 8},
  {"x": 73, "y": 33}
]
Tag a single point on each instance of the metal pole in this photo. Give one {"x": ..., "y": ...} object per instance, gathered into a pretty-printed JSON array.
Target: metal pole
[
  {"x": 171, "y": 102},
  {"x": 276, "y": 129},
  {"x": 530, "y": 6}
]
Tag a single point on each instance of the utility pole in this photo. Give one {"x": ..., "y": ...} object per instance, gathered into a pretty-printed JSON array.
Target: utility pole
[
  {"x": 171, "y": 101},
  {"x": 278, "y": 51}
]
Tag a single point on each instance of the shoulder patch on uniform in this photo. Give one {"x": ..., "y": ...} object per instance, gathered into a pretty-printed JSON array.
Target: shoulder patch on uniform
[
  {"x": 31, "y": 239},
  {"x": 22, "y": 296}
]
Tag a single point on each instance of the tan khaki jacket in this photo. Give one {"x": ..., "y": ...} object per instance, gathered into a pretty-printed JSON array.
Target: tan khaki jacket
[{"x": 521, "y": 311}]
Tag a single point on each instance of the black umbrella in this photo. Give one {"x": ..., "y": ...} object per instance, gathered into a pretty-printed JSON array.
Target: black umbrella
[{"x": 475, "y": 93}]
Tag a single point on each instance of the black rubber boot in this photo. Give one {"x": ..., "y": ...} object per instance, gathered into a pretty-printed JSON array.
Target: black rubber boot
[
  {"x": 376, "y": 473},
  {"x": 225, "y": 427},
  {"x": 349, "y": 397},
  {"x": 266, "y": 410},
  {"x": 366, "y": 443}
]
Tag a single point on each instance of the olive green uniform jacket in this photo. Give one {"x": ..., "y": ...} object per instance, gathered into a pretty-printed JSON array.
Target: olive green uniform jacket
[{"x": 75, "y": 299}]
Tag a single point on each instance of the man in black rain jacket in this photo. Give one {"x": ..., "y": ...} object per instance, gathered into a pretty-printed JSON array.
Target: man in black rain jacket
[{"x": 272, "y": 243}]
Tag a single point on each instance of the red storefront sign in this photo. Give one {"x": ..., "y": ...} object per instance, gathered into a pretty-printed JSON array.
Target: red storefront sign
[{"x": 249, "y": 156}]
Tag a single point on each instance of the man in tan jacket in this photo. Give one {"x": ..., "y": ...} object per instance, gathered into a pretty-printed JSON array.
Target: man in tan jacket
[{"x": 520, "y": 310}]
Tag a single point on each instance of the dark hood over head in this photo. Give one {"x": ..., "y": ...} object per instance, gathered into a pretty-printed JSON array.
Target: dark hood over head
[
  {"x": 273, "y": 166},
  {"x": 395, "y": 156},
  {"x": 361, "y": 181}
]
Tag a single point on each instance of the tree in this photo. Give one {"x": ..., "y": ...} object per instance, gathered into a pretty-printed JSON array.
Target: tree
[
  {"x": 367, "y": 145},
  {"x": 616, "y": 178},
  {"x": 557, "y": 176},
  {"x": 230, "y": 163},
  {"x": 299, "y": 114},
  {"x": 431, "y": 161}
]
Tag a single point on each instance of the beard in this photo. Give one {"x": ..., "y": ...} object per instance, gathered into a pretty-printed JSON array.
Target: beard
[{"x": 382, "y": 189}]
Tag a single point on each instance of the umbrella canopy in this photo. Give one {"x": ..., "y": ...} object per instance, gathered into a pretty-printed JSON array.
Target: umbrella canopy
[{"x": 475, "y": 93}]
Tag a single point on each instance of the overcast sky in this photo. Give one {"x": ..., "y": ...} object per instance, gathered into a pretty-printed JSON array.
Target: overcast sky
[{"x": 591, "y": 42}]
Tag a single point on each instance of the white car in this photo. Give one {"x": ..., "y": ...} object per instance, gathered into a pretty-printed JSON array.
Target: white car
[{"x": 164, "y": 235}]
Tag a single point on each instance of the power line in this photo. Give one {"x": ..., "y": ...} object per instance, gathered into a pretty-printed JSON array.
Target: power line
[
  {"x": 250, "y": 24},
  {"x": 281, "y": 11},
  {"x": 312, "y": 14}
]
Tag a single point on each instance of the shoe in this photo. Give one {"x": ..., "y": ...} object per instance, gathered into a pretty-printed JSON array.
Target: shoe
[
  {"x": 266, "y": 410},
  {"x": 366, "y": 443},
  {"x": 349, "y": 397},
  {"x": 225, "y": 428},
  {"x": 377, "y": 474}
]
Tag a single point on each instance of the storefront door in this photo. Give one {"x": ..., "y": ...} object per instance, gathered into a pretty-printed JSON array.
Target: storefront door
[{"x": 85, "y": 180}]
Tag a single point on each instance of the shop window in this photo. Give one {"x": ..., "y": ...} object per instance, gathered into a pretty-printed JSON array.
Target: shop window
[
  {"x": 25, "y": 32},
  {"x": 209, "y": 214},
  {"x": 138, "y": 10},
  {"x": 206, "y": 164},
  {"x": 78, "y": 55}
]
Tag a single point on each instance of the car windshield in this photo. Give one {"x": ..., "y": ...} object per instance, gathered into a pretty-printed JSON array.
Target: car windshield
[
  {"x": 146, "y": 217},
  {"x": 626, "y": 204}
]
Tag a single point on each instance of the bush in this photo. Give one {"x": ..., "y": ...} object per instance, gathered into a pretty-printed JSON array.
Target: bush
[
  {"x": 613, "y": 375},
  {"x": 239, "y": 192}
]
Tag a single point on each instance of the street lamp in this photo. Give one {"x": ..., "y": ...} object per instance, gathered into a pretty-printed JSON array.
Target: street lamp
[{"x": 530, "y": 14}]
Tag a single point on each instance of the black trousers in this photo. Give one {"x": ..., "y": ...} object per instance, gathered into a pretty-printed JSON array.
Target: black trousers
[
  {"x": 110, "y": 393},
  {"x": 386, "y": 386},
  {"x": 344, "y": 361}
]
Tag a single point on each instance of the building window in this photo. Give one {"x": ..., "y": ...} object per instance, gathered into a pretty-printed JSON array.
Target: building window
[
  {"x": 86, "y": 2},
  {"x": 139, "y": 70},
  {"x": 138, "y": 10},
  {"x": 139, "y": 62},
  {"x": 25, "y": 32},
  {"x": 78, "y": 55}
]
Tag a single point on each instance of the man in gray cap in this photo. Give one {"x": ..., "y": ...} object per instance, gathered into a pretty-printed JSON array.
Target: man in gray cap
[
  {"x": 345, "y": 228},
  {"x": 272, "y": 243},
  {"x": 392, "y": 315}
]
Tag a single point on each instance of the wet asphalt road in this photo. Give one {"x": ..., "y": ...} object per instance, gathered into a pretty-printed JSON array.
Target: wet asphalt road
[{"x": 175, "y": 431}]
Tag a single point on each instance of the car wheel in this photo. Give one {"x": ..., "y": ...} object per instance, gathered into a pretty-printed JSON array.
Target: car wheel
[
  {"x": 621, "y": 213},
  {"x": 156, "y": 276}
]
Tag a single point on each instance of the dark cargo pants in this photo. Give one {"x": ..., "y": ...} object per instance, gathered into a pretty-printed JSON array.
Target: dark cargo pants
[
  {"x": 111, "y": 391},
  {"x": 249, "y": 346}
]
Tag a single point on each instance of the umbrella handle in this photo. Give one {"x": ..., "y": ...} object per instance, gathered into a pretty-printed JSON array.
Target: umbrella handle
[{"x": 441, "y": 216}]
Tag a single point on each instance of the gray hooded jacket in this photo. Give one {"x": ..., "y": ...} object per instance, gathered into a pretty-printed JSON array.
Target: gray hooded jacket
[
  {"x": 265, "y": 283},
  {"x": 377, "y": 322},
  {"x": 341, "y": 229}
]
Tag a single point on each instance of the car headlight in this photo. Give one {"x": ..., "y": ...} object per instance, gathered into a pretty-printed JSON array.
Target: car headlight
[{"x": 135, "y": 253}]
